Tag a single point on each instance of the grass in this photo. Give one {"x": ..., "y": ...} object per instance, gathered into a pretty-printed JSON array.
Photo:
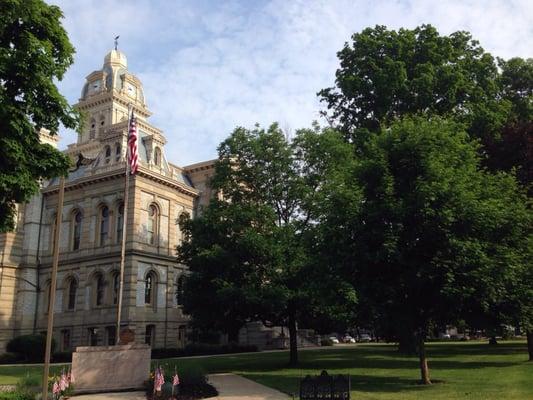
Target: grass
[{"x": 467, "y": 370}]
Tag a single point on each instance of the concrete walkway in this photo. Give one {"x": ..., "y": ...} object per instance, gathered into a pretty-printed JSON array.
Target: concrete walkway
[
  {"x": 229, "y": 386},
  {"x": 114, "y": 396},
  {"x": 235, "y": 387}
]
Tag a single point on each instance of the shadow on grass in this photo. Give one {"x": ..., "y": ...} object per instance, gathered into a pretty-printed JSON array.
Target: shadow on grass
[{"x": 289, "y": 384}]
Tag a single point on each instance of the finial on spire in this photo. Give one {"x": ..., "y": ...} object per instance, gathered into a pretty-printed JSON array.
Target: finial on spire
[{"x": 116, "y": 42}]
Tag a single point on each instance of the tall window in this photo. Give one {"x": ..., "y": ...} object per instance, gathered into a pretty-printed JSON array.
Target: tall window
[
  {"x": 76, "y": 237},
  {"x": 104, "y": 225},
  {"x": 111, "y": 335},
  {"x": 116, "y": 287},
  {"x": 120, "y": 222},
  {"x": 107, "y": 154},
  {"x": 149, "y": 289},
  {"x": 72, "y": 290},
  {"x": 65, "y": 340},
  {"x": 93, "y": 336},
  {"x": 99, "y": 290},
  {"x": 53, "y": 231},
  {"x": 118, "y": 152},
  {"x": 157, "y": 156},
  {"x": 179, "y": 290},
  {"x": 152, "y": 224},
  {"x": 149, "y": 337}
]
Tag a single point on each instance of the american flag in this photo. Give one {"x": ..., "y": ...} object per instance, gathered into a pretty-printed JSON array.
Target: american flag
[
  {"x": 159, "y": 379},
  {"x": 132, "y": 144}
]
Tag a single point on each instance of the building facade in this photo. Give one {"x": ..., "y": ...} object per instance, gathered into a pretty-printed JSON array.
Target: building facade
[{"x": 91, "y": 230}]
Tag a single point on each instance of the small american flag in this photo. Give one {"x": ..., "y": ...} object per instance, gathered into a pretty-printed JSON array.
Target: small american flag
[
  {"x": 132, "y": 144},
  {"x": 159, "y": 379}
]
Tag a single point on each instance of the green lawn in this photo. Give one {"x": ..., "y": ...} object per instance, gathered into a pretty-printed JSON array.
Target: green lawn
[{"x": 471, "y": 370}]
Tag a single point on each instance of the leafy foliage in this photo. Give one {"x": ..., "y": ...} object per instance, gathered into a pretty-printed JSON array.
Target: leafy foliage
[
  {"x": 385, "y": 74},
  {"x": 252, "y": 249},
  {"x": 434, "y": 237},
  {"x": 34, "y": 51}
]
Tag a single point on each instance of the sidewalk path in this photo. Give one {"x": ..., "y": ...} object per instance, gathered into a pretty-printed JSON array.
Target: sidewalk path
[
  {"x": 114, "y": 396},
  {"x": 235, "y": 387}
]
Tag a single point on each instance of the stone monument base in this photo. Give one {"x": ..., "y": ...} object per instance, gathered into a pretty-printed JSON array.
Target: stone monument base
[{"x": 110, "y": 368}]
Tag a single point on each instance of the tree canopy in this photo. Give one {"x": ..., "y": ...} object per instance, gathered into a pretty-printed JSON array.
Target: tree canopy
[
  {"x": 252, "y": 250},
  {"x": 34, "y": 51},
  {"x": 385, "y": 74},
  {"x": 433, "y": 237}
]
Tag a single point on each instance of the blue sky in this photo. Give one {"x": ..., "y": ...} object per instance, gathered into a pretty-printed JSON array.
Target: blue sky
[{"x": 208, "y": 66}]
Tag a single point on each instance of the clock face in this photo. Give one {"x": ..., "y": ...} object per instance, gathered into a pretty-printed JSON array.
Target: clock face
[{"x": 131, "y": 90}]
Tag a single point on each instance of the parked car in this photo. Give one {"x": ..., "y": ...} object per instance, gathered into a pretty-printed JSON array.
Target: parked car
[
  {"x": 334, "y": 340},
  {"x": 364, "y": 338},
  {"x": 348, "y": 339}
]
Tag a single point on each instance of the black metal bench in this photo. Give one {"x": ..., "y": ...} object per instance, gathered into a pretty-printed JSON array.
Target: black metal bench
[{"x": 325, "y": 387}]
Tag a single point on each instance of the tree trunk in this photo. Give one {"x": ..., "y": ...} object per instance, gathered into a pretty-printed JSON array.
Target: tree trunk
[
  {"x": 293, "y": 339},
  {"x": 424, "y": 369},
  {"x": 529, "y": 334}
]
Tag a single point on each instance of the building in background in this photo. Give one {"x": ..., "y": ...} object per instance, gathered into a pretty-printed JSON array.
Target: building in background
[{"x": 91, "y": 230}]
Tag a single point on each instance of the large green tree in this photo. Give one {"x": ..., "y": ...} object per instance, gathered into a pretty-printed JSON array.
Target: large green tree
[
  {"x": 34, "y": 52},
  {"x": 433, "y": 237},
  {"x": 385, "y": 74},
  {"x": 251, "y": 250}
]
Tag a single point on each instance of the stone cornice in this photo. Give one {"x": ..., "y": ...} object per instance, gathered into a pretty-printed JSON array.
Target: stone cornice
[{"x": 119, "y": 173}]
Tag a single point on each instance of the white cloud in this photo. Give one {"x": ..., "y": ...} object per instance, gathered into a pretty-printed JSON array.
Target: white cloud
[{"x": 210, "y": 66}]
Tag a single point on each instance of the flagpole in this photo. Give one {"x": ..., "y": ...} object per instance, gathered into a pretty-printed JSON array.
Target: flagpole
[
  {"x": 51, "y": 302},
  {"x": 124, "y": 229}
]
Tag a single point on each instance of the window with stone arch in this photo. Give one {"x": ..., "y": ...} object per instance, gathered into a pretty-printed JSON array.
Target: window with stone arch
[
  {"x": 119, "y": 222},
  {"x": 99, "y": 289},
  {"x": 118, "y": 152},
  {"x": 157, "y": 156},
  {"x": 150, "y": 289},
  {"x": 52, "y": 232},
  {"x": 152, "y": 225},
  {"x": 107, "y": 153},
  {"x": 77, "y": 220},
  {"x": 103, "y": 225},
  {"x": 115, "y": 279},
  {"x": 72, "y": 291}
]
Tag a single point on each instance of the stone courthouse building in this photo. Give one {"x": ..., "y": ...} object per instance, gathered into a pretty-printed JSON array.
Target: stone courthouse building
[{"x": 91, "y": 230}]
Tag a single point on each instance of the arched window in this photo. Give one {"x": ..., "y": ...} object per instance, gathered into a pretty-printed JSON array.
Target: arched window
[
  {"x": 72, "y": 291},
  {"x": 104, "y": 225},
  {"x": 120, "y": 222},
  {"x": 99, "y": 289},
  {"x": 152, "y": 226},
  {"x": 118, "y": 152},
  {"x": 107, "y": 154},
  {"x": 157, "y": 156},
  {"x": 116, "y": 287},
  {"x": 52, "y": 231},
  {"x": 150, "y": 289},
  {"x": 179, "y": 290},
  {"x": 76, "y": 230}
]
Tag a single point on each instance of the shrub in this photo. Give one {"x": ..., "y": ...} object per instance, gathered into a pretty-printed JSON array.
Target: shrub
[
  {"x": 10, "y": 358},
  {"x": 326, "y": 342},
  {"x": 62, "y": 357},
  {"x": 30, "y": 347}
]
